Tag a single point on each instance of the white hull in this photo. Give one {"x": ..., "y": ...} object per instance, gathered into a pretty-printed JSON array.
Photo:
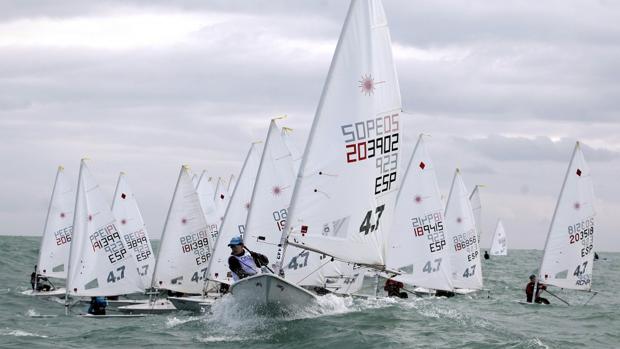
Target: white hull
[
  {"x": 465, "y": 290},
  {"x": 159, "y": 306},
  {"x": 194, "y": 304},
  {"x": 270, "y": 290},
  {"x": 529, "y": 303},
  {"x": 59, "y": 292},
  {"x": 111, "y": 316}
]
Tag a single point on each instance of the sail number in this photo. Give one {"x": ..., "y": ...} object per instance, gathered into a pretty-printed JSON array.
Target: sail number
[
  {"x": 109, "y": 239},
  {"x": 461, "y": 241},
  {"x": 198, "y": 244},
  {"x": 367, "y": 226},
  {"x": 279, "y": 217},
  {"x": 63, "y": 235},
  {"x": 139, "y": 244},
  {"x": 375, "y": 138},
  {"x": 430, "y": 225}
]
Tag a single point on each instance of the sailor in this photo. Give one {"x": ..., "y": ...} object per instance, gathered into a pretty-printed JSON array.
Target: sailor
[
  {"x": 242, "y": 262},
  {"x": 529, "y": 291},
  {"x": 97, "y": 305},
  {"x": 41, "y": 282},
  {"x": 393, "y": 288},
  {"x": 595, "y": 256},
  {"x": 486, "y": 255}
]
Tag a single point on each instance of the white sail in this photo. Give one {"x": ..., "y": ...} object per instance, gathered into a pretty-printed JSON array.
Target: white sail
[
  {"x": 418, "y": 245},
  {"x": 57, "y": 232},
  {"x": 498, "y": 245},
  {"x": 476, "y": 206},
  {"x": 235, "y": 217},
  {"x": 100, "y": 263},
  {"x": 569, "y": 250},
  {"x": 346, "y": 188},
  {"x": 221, "y": 198},
  {"x": 185, "y": 244},
  {"x": 195, "y": 180},
  {"x": 134, "y": 232},
  {"x": 206, "y": 193},
  {"x": 463, "y": 245},
  {"x": 271, "y": 196},
  {"x": 232, "y": 181}
]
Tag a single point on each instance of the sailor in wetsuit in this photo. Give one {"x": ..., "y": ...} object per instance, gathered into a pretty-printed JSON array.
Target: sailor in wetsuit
[
  {"x": 97, "y": 305},
  {"x": 393, "y": 288},
  {"x": 529, "y": 291},
  {"x": 41, "y": 282},
  {"x": 242, "y": 262}
]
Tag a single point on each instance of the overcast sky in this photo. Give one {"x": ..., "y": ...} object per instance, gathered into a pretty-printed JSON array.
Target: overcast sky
[{"x": 504, "y": 89}]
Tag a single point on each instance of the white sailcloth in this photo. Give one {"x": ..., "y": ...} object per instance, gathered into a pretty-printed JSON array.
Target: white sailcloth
[
  {"x": 498, "y": 245},
  {"x": 212, "y": 215},
  {"x": 185, "y": 244},
  {"x": 463, "y": 244},
  {"x": 348, "y": 181},
  {"x": 418, "y": 245},
  {"x": 476, "y": 206},
  {"x": 100, "y": 263},
  {"x": 235, "y": 217},
  {"x": 232, "y": 181},
  {"x": 134, "y": 232},
  {"x": 221, "y": 198},
  {"x": 569, "y": 250},
  {"x": 271, "y": 196},
  {"x": 57, "y": 232}
]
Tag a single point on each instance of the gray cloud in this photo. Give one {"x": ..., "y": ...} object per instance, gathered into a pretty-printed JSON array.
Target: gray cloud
[{"x": 493, "y": 83}]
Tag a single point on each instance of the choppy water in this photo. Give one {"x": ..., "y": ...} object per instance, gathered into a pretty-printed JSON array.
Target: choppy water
[{"x": 486, "y": 320}]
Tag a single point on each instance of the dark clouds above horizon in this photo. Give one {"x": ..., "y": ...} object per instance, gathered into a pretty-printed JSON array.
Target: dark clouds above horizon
[{"x": 504, "y": 88}]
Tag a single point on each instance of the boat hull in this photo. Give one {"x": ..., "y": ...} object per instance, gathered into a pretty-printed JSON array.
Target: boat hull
[
  {"x": 59, "y": 292},
  {"x": 159, "y": 306},
  {"x": 193, "y": 304},
  {"x": 112, "y": 316},
  {"x": 268, "y": 290}
]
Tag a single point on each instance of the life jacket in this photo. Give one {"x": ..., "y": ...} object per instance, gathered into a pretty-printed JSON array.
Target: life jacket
[{"x": 247, "y": 264}]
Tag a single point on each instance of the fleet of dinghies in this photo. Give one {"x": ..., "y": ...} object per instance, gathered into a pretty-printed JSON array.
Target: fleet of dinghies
[{"x": 324, "y": 219}]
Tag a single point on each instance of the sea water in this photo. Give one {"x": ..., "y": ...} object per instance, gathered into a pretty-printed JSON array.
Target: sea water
[{"x": 487, "y": 319}]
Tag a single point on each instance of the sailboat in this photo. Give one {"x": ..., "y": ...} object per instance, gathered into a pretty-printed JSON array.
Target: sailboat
[
  {"x": 185, "y": 250},
  {"x": 212, "y": 214},
  {"x": 101, "y": 263},
  {"x": 134, "y": 232},
  {"x": 265, "y": 222},
  {"x": 57, "y": 232},
  {"x": 476, "y": 206},
  {"x": 498, "y": 244},
  {"x": 463, "y": 244},
  {"x": 345, "y": 192},
  {"x": 568, "y": 256},
  {"x": 235, "y": 217},
  {"x": 418, "y": 244}
]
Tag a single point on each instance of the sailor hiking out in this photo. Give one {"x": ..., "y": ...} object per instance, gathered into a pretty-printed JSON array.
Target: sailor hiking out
[{"x": 243, "y": 262}]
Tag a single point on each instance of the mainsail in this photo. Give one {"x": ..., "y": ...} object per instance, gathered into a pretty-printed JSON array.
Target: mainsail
[
  {"x": 135, "y": 236},
  {"x": 569, "y": 250},
  {"x": 235, "y": 217},
  {"x": 476, "y": 206},
  {"x": 221, "y": 198},
  {"x": 100, "y": 262},
  {"x": 463, "y": 244},
  {"x": 57, "y": 232},
  {"x": 346, "y": 188},
  {"x": 186, "y": 242},
  {"x": 206, "y": 193},
  {"x": 498, "y": 245},
  {"x": 418, "y": 244}
]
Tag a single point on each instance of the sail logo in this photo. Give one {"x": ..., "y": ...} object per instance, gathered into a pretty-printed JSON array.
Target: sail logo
[{"x": 368, "y": 84}]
